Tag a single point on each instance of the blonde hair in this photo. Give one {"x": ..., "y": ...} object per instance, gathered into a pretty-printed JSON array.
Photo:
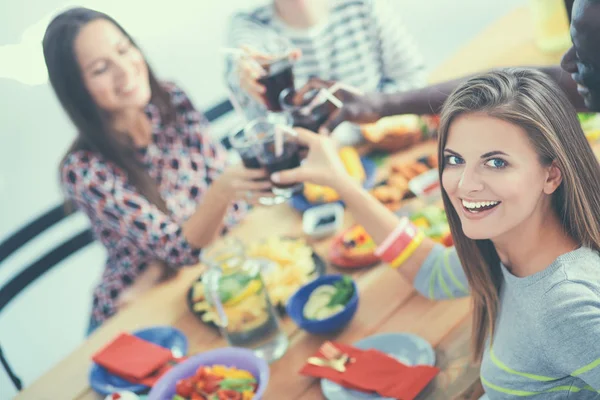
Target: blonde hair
[{"x": 531, "y": 100}]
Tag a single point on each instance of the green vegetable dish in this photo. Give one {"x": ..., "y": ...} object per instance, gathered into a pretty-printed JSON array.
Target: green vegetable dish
[{"x": 328, "y": 300}]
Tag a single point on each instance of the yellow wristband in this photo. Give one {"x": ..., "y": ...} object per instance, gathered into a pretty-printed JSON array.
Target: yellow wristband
[{"x": 408, "y": 251}]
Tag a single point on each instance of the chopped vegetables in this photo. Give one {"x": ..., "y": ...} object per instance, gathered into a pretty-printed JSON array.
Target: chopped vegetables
[
  {"x": 357, "y": 241},
  {"x": 328, "y": 300},
  {"x": 583, "y": 117},
  {"x": 217, "y": 383},
  {"x": 434, "y": 223}
]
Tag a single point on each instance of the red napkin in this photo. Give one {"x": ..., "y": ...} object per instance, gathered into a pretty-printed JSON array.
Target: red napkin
[
  {"x": 134, "y": 359},
  {"x": 374, "y": 371},
  {"x": 330, "y": 373},
  {"x": 150, "y": 380}
]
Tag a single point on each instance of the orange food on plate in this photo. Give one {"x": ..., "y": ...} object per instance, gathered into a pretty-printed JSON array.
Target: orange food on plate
[
  {"x": 418, "y": 168},
  {"x": 409, "y": 169},
  {"x": 395, "y": 133},
  {"x": 353, "y": 248},
  {"x": 396, "y": 186},
  {"x": 397, "y": 125},
  {"x": 387, "y": 194},
  {"x": 398, "y": 182}
]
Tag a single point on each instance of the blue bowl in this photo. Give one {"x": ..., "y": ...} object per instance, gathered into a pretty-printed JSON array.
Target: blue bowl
[{"x": 295, "y": 307}]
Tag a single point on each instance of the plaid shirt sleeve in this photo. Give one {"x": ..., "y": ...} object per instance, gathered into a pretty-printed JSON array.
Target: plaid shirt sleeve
[
  {"x": 198, "y": 133},
  {"x": 103, "y": 193}
]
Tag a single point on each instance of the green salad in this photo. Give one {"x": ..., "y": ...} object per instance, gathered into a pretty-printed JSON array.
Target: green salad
[{"x": 328, "y": 300}]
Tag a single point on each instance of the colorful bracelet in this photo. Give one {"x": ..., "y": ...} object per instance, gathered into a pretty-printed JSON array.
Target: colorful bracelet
[
  {"x": 389, "y": 240},
  {"x": 408, "y": 251},
  {"x": 397, "y": 241}
]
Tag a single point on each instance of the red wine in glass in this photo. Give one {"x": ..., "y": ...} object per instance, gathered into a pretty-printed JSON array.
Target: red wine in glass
[
  {"x": 280, "y": 76},
  {"x": 289, "y": 159},
  {"x": 250, "y": 161},
  {"x": 243, "y": 145},
  {"x": 247, "y": 153},
  {"x": 313, "y": 121},
  {"x": 306, "y": 115}
]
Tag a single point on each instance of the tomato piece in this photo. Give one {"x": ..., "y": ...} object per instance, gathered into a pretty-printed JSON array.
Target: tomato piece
[
  {"x": 211, "y": 384},
  {"x": 197, "y": 396},
  {"x": 199, "y": 386},
  {"x": 184, "y": 388},
  {"x": 229, "y": 394},
  {"x": 201, "y": 373}
]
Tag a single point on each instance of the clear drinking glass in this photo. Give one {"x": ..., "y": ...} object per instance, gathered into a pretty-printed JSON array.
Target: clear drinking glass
[
  {"x": 234, "y": 286},
  {"x": 243, "y": 141},
  {"x": 276, "y": 149},
  {"x": 279, "y": 67},
  {"x": 311, "y": 114}
]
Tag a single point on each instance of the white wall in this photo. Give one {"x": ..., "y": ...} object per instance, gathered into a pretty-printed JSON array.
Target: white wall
[{"x": 181, "y": 40}]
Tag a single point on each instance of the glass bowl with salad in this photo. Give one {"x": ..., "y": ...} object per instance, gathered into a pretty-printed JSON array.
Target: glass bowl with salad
[
  {"x": 229, "y": 373},
  {"x": 324, "y": 305}
]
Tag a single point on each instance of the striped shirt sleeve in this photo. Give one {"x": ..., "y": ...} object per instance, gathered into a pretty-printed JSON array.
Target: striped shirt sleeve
[
  {"x": 572, "y": 330},
  {"x": 403, "y": 64},
  {"x": 244, "y": 29},
  {"x": 441, "y": 276}
]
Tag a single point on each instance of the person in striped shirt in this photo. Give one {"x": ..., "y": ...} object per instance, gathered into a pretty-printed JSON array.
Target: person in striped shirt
[
  {"x": 578, "y": 76},
  {"x": 520, "y": 189},
  {"x": 358, "y": 42}
]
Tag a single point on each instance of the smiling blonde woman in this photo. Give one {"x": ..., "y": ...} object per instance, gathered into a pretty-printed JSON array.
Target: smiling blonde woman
[{"x": 521, "y": 190}]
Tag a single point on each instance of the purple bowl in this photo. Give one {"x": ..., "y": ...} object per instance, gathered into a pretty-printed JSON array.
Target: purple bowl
[{"x": 236, "y": 357}]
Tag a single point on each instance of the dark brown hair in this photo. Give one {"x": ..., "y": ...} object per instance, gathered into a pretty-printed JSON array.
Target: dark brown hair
[
  {"x": 93, "y": 129},
  {"x": 531, "y": 100}
]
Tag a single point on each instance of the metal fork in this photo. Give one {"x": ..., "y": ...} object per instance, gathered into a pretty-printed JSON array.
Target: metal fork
[{"x": 332, "y": 358}]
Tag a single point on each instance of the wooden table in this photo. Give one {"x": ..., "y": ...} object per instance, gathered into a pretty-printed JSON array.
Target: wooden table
[{"x": 388, "y": 303}]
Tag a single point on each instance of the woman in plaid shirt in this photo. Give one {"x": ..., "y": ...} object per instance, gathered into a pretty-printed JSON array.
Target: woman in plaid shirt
[{"x": 143, "y": 167}]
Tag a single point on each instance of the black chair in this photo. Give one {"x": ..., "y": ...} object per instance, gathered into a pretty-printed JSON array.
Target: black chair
[{"x": 56, "y": 255}]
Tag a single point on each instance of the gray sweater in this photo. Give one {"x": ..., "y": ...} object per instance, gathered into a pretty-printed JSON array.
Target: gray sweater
[{"x": 547, "y": 339}]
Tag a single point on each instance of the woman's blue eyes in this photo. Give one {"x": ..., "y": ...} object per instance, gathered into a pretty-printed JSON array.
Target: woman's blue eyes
[
  {"x": 453, "y": 160},
  {"x": 496, "y": 163}
]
